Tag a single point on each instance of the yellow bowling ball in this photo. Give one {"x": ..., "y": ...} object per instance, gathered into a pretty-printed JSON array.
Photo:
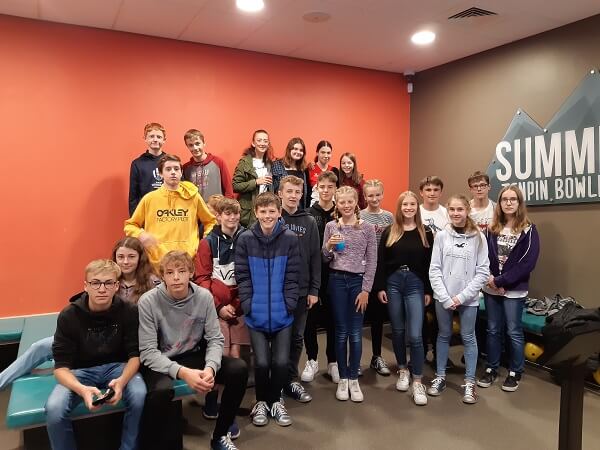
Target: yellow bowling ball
[
  {"x": 597, "y": 375},
  {"x": 455, "y": 325},
  {"x": 429, "y": 317},
  {"x": 533, "y": 351}
]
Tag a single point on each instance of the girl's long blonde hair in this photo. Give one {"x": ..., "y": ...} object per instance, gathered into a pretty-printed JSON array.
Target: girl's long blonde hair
[
  {"x": 521, "y": 219},
  {"x": 397, "y": 228},
  {"x": 343, "y": 191}
]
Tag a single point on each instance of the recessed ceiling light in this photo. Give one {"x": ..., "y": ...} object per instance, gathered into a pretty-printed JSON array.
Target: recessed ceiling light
[
  {"x": 250, "y": 5},
  {"x": 423, "y": 37}
]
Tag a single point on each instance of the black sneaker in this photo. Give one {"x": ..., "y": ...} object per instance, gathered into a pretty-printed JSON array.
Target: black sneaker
[
  {"x": 488, "y": 378},
  {"x": 379, "y": 364},
  {"x": 296, "y": 391},
  {"x": 437, "y": 386},
  {"x": 511, "y": 384}
]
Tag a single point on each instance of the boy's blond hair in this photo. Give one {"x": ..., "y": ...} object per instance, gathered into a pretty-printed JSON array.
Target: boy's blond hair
[
  {"x": 228, "y": 205},
  {"x": 174, "y": 257},
  {"x": 103, "y": 265}
]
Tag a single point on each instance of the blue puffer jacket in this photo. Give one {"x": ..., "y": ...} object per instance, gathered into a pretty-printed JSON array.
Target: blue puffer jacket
[{"x": 267, "y": 272}]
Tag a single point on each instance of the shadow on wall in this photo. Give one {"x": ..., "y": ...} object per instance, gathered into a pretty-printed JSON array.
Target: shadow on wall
[{"x": 102, "y": 215}]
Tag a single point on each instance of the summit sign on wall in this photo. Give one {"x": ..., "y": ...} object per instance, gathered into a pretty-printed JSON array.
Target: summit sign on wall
[{"x": 559, "y": 163}]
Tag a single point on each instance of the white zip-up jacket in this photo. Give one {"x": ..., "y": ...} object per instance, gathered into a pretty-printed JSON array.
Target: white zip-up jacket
[{"x": 459, "y": 267}]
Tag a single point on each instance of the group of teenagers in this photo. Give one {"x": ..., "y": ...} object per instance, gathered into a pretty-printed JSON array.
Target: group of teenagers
[{"x": 304, "y": 245}]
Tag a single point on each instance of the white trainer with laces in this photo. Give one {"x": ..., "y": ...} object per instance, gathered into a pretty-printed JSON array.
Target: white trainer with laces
[
  {"x": 311, "y": 369},
  {"x": 342, "y": 390},
  {"x": 419, "y": 395},
  {"x": 403, "y": 380},
  {"x": 334, "y": 372},
  {"x": 356, "y": 394}
]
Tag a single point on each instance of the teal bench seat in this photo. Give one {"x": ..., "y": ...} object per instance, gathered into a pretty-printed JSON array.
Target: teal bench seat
[
  {"x": 34, "y": 329},
  {"x": 11, "y": 329},
  {"x": 531, "y": 322},
  {"x": 29, "y": 395}
]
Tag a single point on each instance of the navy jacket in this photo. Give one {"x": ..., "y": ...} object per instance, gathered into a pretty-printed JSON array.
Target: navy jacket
[
  {"x": 266, "y": 271},
  {"x": 520, "y": 263},
  {"x": 143, "y": 178}
]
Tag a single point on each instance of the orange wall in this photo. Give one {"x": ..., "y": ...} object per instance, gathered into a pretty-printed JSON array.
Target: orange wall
[{"x": 73, "y": 105}]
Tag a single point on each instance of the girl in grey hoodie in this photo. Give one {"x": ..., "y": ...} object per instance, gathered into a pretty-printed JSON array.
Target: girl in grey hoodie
[{"x": 459, "y": 269}]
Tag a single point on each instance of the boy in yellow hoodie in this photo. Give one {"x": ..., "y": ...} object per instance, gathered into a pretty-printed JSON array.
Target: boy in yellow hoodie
[{"x": 167, "y": 219}]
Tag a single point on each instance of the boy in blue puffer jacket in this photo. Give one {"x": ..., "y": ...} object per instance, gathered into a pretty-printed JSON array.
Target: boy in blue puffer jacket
[{"x": 267, "y": 264}]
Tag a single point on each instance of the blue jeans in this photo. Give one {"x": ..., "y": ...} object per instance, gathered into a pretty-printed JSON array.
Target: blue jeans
[
  {"x": 62, "y": 401},
  {"x": 406, "y": 306},
  {"x": 271, "y": 363},
  {"x": 38, "y": 353},
  {"x": 505, "y": 313},
  {"x": 468, "y": 318},
  {"x": 344, "y": 287}
]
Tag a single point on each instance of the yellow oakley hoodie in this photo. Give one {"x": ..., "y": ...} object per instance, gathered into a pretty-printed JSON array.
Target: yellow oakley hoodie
[{"x": 172, "y": 218}]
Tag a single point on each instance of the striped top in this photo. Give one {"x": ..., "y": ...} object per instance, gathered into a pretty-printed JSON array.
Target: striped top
[{"x": 380, "y": 220}]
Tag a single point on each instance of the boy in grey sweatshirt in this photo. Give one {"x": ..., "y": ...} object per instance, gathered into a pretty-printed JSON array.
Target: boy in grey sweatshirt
[{"x": 180, "y": 337}]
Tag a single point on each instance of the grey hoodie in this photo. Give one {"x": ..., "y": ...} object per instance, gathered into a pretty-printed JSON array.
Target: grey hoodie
[
  {"x": 170, "y": 327},
  {"x": 459, "y": 267}
]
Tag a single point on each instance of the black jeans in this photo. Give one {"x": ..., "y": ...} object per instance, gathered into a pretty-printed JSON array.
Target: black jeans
[
  {"x": 161, "y": 424},
  {"x": 271, "y": 363},
  {"x": 376, "y": 315},
  {"x": 297, "y": 340},
  {"x": 430, "y": 329},
  {"x": 320, "y": 315}
]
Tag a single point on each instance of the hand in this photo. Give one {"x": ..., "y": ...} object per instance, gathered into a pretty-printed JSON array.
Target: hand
[
  {"x": 117, "y": 386},
  {"x": 227, "y": 312},
  {"x": 311, "y": 300},
  {"x": 361, "y": 301},
  {"x": 491, "y": 283},
  {"x": 87, "y": 393},
  {"x": 501, "y": 291},
  {"x": 334, "y": 239},
  {"x": 382, "y": 296},
  {"x": 455, "y": 303},
  {"x": 148, "y": 240},
  {"x": 197, "y": 379},
  {"x": 427, "y": 299},
  {"x": 264, "y": 180}
]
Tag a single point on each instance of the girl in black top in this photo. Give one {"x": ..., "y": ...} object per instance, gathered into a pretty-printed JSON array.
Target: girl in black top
[{"x": 402, "y": 282}]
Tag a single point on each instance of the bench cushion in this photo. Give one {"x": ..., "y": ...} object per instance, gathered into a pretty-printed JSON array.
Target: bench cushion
[
  {"x": 11, "y": 329},
  {"x": 29, "y": 395}
]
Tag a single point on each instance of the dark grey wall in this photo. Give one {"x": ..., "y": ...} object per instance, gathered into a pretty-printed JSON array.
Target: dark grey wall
[{"x": 461, "y": 110}]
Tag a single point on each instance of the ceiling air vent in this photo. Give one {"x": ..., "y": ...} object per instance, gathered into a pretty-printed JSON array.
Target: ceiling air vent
[{"x": 472, "y": 12}]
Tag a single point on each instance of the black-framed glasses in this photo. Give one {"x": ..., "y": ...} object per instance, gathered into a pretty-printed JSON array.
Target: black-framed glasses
[
  {"x": 108, "y": 284},
  {"x": 479, "y": 186},
  {"x": 509, "y": 200}
]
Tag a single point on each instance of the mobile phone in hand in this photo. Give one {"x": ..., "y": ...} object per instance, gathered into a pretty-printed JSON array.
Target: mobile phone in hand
[{"x": 100, "y": 400}]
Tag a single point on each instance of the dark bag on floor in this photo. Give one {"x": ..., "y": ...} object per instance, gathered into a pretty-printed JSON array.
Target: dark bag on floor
[{"x": 571, "y": 321}]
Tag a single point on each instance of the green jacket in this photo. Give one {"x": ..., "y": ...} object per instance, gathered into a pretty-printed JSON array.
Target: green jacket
[{"x": 244, "y": 183}]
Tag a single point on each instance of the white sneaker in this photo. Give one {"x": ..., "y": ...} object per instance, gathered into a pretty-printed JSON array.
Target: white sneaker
[
  {"x": 334, "y": 372},
  {"x": 342, "y": 390},
  {"x": 403, "y": 380},
  {"x": 419, "y": 395},
  {"x": 310, "y": 370},
  {"x": 356, "y": 394}
]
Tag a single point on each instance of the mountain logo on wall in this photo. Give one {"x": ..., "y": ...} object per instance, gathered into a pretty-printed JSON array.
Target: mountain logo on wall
[{"x": 559, "y": 163}]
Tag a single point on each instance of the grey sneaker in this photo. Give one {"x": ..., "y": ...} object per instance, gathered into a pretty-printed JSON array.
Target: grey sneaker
[
  {"x": 280, "y": 414},
  {"x": 296, "y": 391},
  {"x": 469, "y": 394},
  {"x": 379, "y": 364},
  {"x": 260, "y": 414},
  {"x": 437, "y": 386},
  {"x": 419, "y": 396}
]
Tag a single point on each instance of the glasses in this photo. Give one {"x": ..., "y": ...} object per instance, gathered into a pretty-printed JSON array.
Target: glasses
[
  {"x": 509, "y": 200},
  {"x": 95, "y": 284},
  {"x": 479, "y": 186}
]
